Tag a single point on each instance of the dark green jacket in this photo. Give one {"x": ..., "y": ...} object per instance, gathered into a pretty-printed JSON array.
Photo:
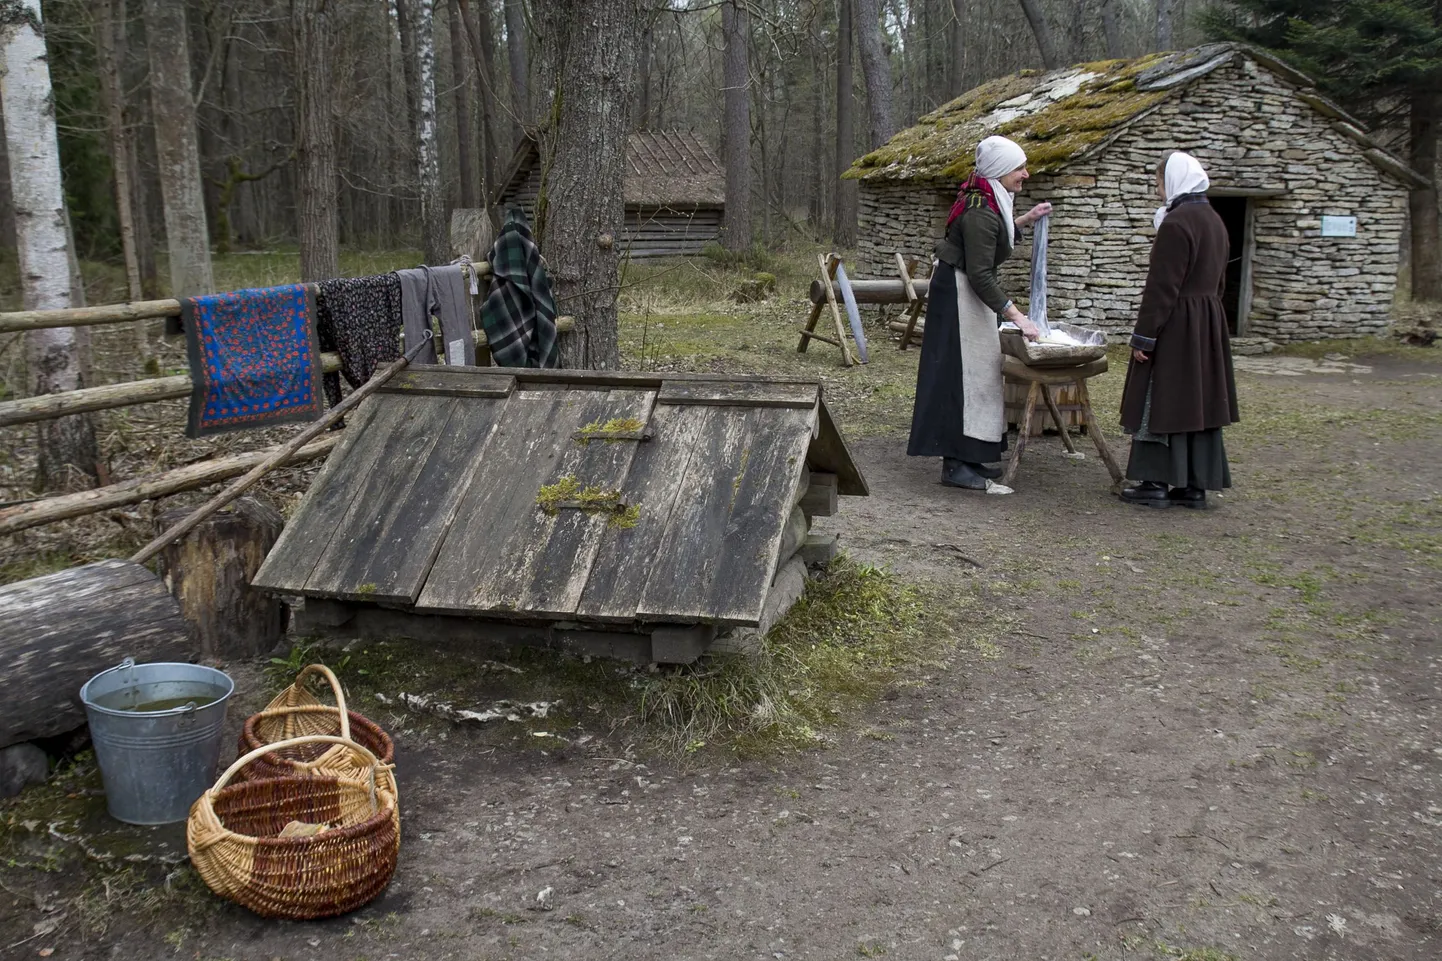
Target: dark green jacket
[{"x": 975, "y": 243}]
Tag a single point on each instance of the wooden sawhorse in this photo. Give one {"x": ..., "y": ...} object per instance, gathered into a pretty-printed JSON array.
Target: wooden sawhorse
[{"x": 1041, "y": 380}]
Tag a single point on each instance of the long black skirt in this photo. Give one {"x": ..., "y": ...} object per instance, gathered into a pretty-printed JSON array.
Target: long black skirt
[
  {"x": 937, "y": 419},
  {"x": 1197, "y": 459}
]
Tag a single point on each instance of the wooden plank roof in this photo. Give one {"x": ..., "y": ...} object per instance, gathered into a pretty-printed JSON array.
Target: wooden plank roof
[
  {"x": 566, "y": 495},
  {"x": 671, "y": 169}
]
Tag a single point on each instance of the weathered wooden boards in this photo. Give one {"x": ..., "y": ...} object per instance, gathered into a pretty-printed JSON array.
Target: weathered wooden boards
[
  {"x": 589, "y": 496},
  {"x": 1039, "y": 381},
  {"x": 209, "y": 572},
  {"x": 112, "y": 610}
]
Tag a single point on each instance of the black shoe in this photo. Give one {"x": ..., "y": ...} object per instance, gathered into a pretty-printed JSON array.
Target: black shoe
[
  {"x": 955, "y": 473},
  {"x": 981, "y": 470},
  {"x": 1148, "y": 494},
  {"x": 1193, "y": 497}
]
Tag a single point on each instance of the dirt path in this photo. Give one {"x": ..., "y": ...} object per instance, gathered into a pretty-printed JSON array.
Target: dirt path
[{"x": 1164, "y": 734}]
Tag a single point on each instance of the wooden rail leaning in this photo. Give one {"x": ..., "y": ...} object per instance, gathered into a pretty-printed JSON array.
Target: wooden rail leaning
[
  {"x": 114, "y": 313},
  {"x": 26, "y": 410},
  {"x": 50, "y": 509}
]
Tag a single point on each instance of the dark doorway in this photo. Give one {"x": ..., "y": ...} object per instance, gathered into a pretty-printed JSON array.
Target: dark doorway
[{"x": 1235, "y": 214}]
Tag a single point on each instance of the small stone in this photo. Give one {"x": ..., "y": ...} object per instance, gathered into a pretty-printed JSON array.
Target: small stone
[
  {"x": 1082, "y": 912},
  {"x": 22, "y": 765}
]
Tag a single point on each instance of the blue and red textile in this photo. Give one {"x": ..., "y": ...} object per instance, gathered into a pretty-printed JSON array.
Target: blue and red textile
[{"x": 253, "y": 358}]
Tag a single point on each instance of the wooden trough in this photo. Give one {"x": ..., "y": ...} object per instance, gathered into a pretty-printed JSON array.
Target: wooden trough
[{"x": 628, "y": 514}]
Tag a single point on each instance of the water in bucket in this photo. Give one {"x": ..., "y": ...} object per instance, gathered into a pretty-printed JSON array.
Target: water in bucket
[{"x": 157, "y": 731}]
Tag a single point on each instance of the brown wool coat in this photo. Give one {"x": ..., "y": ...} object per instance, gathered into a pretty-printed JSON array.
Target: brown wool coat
[{"x": 1183, "y": 326}]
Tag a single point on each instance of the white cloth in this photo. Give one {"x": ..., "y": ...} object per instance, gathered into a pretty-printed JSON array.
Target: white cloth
[
  {"x": 983, "y": 413},
  {"x": 1183, "y": 175},
  {"x": 995, "y": 158}
]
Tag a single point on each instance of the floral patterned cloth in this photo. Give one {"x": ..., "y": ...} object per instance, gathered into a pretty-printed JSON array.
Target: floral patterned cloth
[
  {"x": 359, "y": 318},
  {"x": 253, "y": 358}
]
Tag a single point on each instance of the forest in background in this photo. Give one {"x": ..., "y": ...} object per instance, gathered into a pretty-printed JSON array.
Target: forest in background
[{"x": 246, "y": 62}]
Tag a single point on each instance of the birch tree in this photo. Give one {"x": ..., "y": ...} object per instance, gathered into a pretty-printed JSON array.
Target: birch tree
[
  {"x": 67, "y": 448},
  {"x": 435, "y": 237},
  {"x": 178, "y": 155}
]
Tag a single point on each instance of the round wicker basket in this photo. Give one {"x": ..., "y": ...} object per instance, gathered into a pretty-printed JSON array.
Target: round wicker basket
[{"x": 341, "y": 855}]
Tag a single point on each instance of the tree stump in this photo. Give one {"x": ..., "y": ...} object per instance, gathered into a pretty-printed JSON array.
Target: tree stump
[
  {"x": 62, "y": 629},
  {"x": 209, "y": 572}
]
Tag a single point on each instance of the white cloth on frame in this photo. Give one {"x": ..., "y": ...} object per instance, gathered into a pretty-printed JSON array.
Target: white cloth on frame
[
  {"x": 1183, "y": 175},
  {"x": 995, "y": 158}
]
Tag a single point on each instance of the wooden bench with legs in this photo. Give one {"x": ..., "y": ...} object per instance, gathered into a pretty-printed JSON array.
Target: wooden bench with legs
[{"x": 1040, "y": 381}]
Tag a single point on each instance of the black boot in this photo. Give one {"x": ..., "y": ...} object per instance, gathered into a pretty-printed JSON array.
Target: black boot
[
  {"x": 981, "y": 470},
  {"x": 955, "y": 473},
  {"x": 1193, "y": 497},
  {"x": 1147, "y": 494}
]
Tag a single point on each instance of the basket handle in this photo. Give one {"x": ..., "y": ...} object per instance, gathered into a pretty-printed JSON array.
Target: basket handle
[
  {"x": 335, "y": 688},
  {"x": 308, "y": 739}
]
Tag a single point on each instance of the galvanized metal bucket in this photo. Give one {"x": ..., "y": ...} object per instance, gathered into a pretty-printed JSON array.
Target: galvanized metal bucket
[{"x": 155, "y": 763}]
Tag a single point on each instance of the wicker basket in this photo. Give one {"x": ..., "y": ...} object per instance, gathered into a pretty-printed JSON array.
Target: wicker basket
[
  {"x": 234, "y": 838},
  {"x": 295, "y": 713}
]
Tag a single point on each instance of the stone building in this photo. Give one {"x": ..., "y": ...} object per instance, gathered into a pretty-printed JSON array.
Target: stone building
[{"x": 1316, "y": 210}]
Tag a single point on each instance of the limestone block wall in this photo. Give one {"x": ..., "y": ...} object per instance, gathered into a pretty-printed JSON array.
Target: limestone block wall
[{"x": 1251, "y": 131}]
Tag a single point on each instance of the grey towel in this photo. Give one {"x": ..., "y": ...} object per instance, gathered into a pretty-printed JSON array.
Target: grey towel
[
  {"x": 1037, "y": 304},
  {"x": 439, "y": 292}
]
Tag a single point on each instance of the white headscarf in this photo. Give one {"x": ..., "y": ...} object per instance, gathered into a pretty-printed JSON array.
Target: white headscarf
[
  {"x": 995, "y": 158},
  {"x": 1183, "y": 175}
]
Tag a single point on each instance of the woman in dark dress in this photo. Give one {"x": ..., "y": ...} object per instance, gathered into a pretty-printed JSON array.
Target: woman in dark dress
[
  {"x": 959, "y": 414},
  {"x": 1180, "y": 391}
]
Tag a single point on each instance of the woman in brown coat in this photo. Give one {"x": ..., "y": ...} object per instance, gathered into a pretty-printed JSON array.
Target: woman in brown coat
[{"x": 1180, "y": 391}]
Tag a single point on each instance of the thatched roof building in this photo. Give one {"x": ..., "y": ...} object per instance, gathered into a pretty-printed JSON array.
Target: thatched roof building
[
  {"x": 1316, "y": 209},
  {"x": 675, "y": 192}
]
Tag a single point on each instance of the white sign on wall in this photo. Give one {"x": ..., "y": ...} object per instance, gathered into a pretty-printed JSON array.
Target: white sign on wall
[{"x": 1339, "y": 226}]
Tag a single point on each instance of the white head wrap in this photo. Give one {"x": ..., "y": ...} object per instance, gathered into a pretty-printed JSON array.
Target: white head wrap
[
  {"x": 1183, "y": 175},
  {"x": 995, "y": 158}
]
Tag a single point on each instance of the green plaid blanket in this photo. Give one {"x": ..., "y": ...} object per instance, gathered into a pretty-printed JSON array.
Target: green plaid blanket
[{"x": 519, "y": 314}]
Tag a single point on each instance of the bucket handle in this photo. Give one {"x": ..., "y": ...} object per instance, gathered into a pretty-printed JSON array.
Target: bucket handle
[
  {"x": 241, "y": 762},
  {"x": 335, "y": 688}
]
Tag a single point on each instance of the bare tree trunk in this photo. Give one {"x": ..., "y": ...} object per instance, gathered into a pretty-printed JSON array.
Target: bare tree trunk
[
  {"x": 110, "y": 49},
  {"x": 956, "y": 72},
  {"x": 480, "y": 33},
  {"x": 520, "y": 71},
  {"x": 643, "y": 102},
  {"x": 843, "y": 232},
  {"x": 465, "y": 124},
  {"x": 589, "y": 49},
  {"x": 736, "y": 125},
  {"x": 1165, "y": 10},
  {"x": 1425, "y": 126},
  {"x": 178, "y": 156},
  {"x": 435, "y": 239},
  {"x": 68, "y": 452},
  {"x": 315, "y": 140},
  {"x": 1042, "y": 31},
  {"x": 1112, "y": 28},
  {"x": 876, "y": 68}
]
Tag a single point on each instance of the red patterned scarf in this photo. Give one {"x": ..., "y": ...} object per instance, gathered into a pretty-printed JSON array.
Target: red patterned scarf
[{"x": 973, "y": 185}]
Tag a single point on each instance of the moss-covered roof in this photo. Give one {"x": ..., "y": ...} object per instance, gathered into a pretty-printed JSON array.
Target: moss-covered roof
[{"x": 1055, "y": 116}]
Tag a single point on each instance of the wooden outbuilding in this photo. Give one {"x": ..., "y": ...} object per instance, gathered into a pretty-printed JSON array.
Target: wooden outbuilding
[
  {"x": 675, "y": 192},
  {"x": 629, "y": 514}
]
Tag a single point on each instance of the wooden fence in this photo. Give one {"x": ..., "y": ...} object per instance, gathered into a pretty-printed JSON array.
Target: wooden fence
[{"x": 25, "y": 410}]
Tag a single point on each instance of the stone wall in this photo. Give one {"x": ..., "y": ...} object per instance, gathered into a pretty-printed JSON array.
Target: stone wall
[{"x": 1249, "y": 130}]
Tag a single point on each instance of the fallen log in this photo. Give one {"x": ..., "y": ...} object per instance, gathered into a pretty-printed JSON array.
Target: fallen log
[
  {"x": 64, "y": 628},
  {"x": 872, "y": 291},
  {"x": 65, "y": 506}
]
